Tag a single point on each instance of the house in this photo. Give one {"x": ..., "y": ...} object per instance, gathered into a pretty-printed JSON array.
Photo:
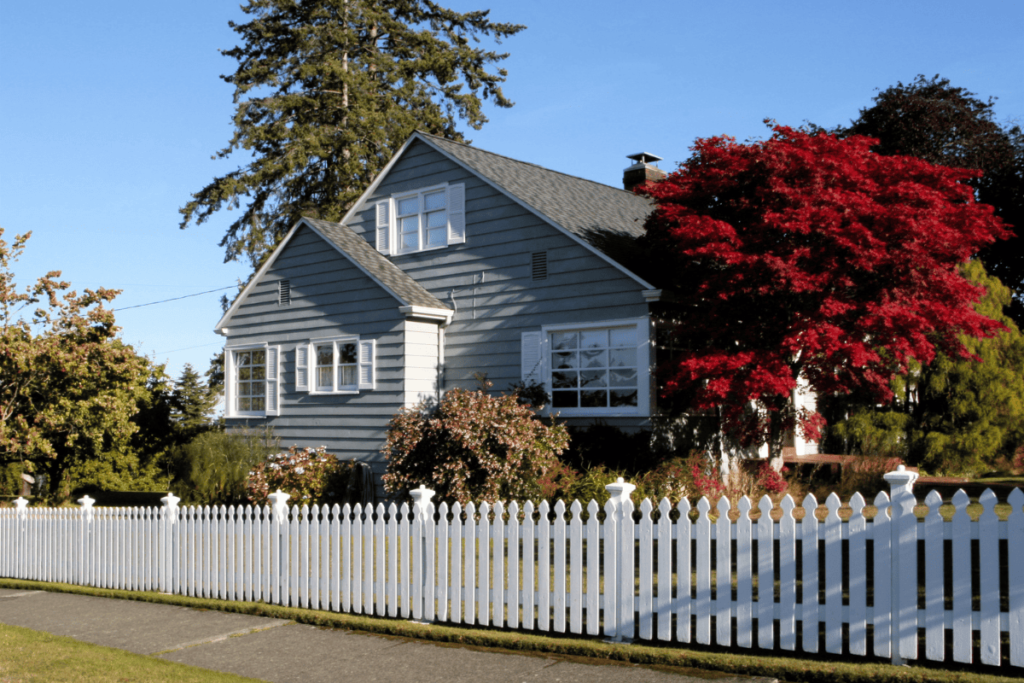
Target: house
[{"x": 456, "y": 261}]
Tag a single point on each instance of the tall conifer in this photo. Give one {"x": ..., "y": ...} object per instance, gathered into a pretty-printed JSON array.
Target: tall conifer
[{"x": 325, "y": 93}]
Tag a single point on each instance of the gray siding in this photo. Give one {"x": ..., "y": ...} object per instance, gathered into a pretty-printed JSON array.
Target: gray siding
[
  {"x": 501, "y": 236},
  {"x": 329, "y": 297}
]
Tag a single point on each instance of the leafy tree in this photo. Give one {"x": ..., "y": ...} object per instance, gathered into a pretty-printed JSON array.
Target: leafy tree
[
  {"x": 69, "y": 387},
  {"x": 810, "y": 256},
  {"x": 326, "y": 91},
  {"x": 216, "y": 465},
  {"x": 932, "y": 120},
  {"x": 954, "y": 415},
  {"x": 192, "y": 403}
]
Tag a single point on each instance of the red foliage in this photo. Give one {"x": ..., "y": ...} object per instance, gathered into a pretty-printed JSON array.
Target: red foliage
[{"x": 811, "y": 256}]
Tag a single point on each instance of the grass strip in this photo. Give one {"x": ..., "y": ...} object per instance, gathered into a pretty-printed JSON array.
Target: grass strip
[
  {"x": 791, "y": 669},
  {"x": 27, "y": 656}
]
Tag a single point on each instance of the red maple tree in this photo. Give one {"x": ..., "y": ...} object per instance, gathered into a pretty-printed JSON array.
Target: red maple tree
[{"x": 810, "y": 256}]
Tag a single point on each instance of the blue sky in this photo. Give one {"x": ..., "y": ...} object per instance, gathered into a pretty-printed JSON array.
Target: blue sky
[{"x": 112, "y": 109}]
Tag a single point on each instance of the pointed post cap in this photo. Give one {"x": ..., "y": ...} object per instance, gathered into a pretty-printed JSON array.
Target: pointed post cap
[
  {"x": 279, "y": 498},
  {"x": 902, "y": 480},
  {"x": 170, "y": 500},
  {"x": 21, "y": 504},
  {"x": 86, "y": 502}
]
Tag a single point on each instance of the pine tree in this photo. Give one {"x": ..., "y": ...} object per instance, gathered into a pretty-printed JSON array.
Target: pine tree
[
  {"x": 192, "y": 403},
  {"x": 326, "y": 91}
]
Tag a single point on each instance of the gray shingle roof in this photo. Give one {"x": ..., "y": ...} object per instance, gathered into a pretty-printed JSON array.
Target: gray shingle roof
[
  {"x": 375, "y": 265},
  {"x": 606, "y": 217}
]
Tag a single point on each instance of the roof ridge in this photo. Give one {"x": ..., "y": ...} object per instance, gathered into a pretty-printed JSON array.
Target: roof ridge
[{"x": 526, "y": 163}]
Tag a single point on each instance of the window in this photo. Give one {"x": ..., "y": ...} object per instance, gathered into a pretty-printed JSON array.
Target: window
[
  {"x": 343, "y": 365},
  {"x": 431, "y": 218},
  {"x": 594, "y": 369},
  {"x": 252, "y": 383}
]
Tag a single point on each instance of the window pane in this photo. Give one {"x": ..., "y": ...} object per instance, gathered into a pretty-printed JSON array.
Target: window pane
[
  {"x": 437, "y": 238},
  {"x": 594, "y": 359},
  {"x": 244, "y": 374},
  {"x": 244, "y": 404},
  {"x": 408, "y": 205},
  {"x": 593, "y": 379},
  {"x": 259, "y": 372},
  {"x": 623, "y": 378},
  {"x": 243, "y": 358},
  {"x": 437, "y": 219},
  {"x": 593, "y": 399},
  {"x": 347, "y": 376},
  {"x": 624, "y": 398},
  {"x": 259, "y": 404},
  {"x": 594, "y": 339},
  {"x": 563, "y": 380},
  {"x": 323, "y": 378},
  {"x": 434, "y": 200},
  {"x": 564, "y": 399},
  {"x": 624, "y": 336},
  {"x": 243, "y": 388},
  {"x": 623, "y": 358},
  {"x": 259, "y": 357},
  {"x": 564, "y": 360},
  {"x": 348, "y": 353},
  {"x": 325, "y": 354},
  {"x": 563, "y": 340}
]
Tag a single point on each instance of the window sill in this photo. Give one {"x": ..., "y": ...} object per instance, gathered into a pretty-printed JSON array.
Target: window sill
[
  {"x": 339, "y": 392},
  {"x": 420, "y": 251}
]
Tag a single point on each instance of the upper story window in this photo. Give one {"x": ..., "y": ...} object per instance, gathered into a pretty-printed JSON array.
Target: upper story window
[
  {"x": 336, "y": 364},
  {"x": 431, "y": 218}
]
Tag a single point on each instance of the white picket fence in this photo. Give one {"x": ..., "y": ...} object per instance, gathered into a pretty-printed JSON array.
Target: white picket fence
[{"x": 789, "y": 585}]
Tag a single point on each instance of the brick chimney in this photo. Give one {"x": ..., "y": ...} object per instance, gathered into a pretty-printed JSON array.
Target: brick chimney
[{"x": 642, "y": 170}]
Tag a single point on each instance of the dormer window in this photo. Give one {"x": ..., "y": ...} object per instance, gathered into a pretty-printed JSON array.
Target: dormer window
[{"x": 431, "y": 218}]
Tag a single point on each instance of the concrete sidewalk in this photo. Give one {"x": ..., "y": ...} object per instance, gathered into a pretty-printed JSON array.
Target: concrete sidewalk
[{"x": 282, "y": 651}]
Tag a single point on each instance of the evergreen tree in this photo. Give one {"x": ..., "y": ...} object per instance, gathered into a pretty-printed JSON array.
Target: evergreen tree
[
  {"x": 326, "y": 91},
  {"x": 192, "y": 403}
]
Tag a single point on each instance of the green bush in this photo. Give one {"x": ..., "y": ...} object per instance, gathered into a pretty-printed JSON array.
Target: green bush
[
  {"x": 472, "y": 446},
  {"x": 218, "y": 465}
]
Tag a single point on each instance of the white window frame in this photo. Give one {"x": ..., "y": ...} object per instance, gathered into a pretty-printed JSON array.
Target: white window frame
[
  {"x": 365, "y": 366},
  {"x": 271, "y": 380},
  {"x": 388, "y": 219},
  {"x": 643, "y": 354}
]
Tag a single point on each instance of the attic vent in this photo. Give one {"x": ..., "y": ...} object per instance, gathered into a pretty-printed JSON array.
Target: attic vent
[
  {"x": 540, "y": 265},
  {"x": 284, "y": 292}
]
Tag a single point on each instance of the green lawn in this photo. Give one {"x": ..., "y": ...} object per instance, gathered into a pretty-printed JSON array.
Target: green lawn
[{"x": 27, "y": 656}]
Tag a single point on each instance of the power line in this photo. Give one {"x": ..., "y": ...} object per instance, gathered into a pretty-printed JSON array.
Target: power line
[{"x": 177, "y": 298}]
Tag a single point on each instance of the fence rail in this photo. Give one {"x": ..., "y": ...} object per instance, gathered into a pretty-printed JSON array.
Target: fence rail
[{"x": 890, "y": 586}]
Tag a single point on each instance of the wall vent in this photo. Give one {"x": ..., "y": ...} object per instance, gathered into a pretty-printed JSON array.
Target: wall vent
[
  {"x": 284, "y": 292},
  {"x": 539, "y": 268}
]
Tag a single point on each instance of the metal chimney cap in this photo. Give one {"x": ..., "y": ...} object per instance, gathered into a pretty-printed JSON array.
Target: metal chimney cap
[{"x": 643, "y": 157}]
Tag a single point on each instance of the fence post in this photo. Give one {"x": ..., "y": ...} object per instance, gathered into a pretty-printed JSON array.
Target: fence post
[
  {"x": 21, "y": 533},
  {"x": 620, "y": 491},
  {"x": 85, "y": 520},
  {"x": 279, "y": 504},
  {"x": 904, "y": 563},
  {"x": 420, "y": 499},
  {"x": 170, "y": 511}
]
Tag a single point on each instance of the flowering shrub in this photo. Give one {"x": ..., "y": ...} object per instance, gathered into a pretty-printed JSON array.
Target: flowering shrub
[
  {"x": 472, "y": 446},
  {"x": 1018, "y": 460},
  {"x": 770, "y": 480},
  {"x": 310, "y": 475}
]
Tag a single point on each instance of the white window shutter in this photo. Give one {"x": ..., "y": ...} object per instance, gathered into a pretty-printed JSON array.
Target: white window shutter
[
  {"x": 302, "y": 367},
  {"x": 367, "y": 372},
  {"x": 229, "y": 382},
  {"x": 532, "y": 357},
  {"x": 456, "y": 213},
  {"x": 273, "y": 380},
  {"x": 384, "y": 226}
]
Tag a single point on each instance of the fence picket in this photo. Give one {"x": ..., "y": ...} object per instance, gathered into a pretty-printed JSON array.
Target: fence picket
[
  {"x": 529, "y": 594},
  {"x": 833, "y": 530},
  {"x": 543, "y": 567},
  {"x": 858, "y": 577},
  {"x": 456, "y": 564},
  {"x": 703, "y": 558},
  {"x": 498, "y": 566},
  {"x": 744, "y": 581},
  {"x": 961, "y": 579},
  {"x": 646, "y": 551},
  {"x": 664, "y": 605},
  {"x": 559, "y": 583},
  {"x": 576, "y": 568},
  {"x": 593, "y": 570},
  {"x": 881, "y": 539},
  {"x": 723, "y": 569},
  {"x": 443, "y": 551},
  {"x": 512, "y": 590},
  {"x": 988, "y": 579},
  {"x": 469, "y": 543},
  {"x": 934, "y": 595},
  {"x": 1015, "y": 562}
]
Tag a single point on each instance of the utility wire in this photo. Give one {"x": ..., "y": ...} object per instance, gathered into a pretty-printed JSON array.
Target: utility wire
[{"x": 153, "y": 303}]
